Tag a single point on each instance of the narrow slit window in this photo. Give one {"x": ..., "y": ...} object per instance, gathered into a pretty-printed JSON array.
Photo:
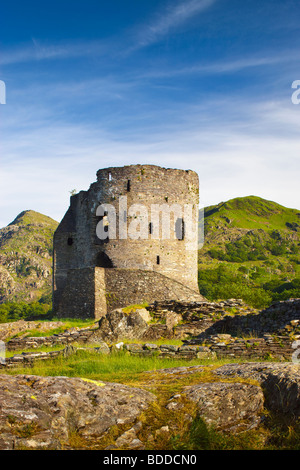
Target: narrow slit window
[
  {"x": 179, "y": 229},
  {"x": 70, "y": 241},
  {"x": 128, "y": 185},
  {"x": 157, "y": 260},
  {"x": 151, "y": 227}
]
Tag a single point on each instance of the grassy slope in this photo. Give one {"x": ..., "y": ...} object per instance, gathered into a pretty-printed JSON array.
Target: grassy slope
[
  {"x": 255, "y": 242},
  {"x": 26, "y": 256},
  {"x": 252, "y": 212}
]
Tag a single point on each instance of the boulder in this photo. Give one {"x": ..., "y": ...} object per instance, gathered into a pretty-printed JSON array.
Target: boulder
[
  {"x": 45, "y": 412},
  {"x": 143, "y": 312},
  {"x": 229, "y": 407},
  {"x": 118, "y": 325},
  {"x": 280, "y": 382}
]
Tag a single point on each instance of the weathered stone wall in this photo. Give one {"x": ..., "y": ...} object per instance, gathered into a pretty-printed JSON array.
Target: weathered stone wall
[
  {"x": 75, "y": 296},
  {"x": 261, "y": 348},
  {"x": 133, "y": 286},
  {"x": 135, "y": 349},
  {"x": 92, "y": 292},
  {"x": 224, "y": 345},
  {"x": 232, "y": 316},
  {"x": 77, "y": 246}
]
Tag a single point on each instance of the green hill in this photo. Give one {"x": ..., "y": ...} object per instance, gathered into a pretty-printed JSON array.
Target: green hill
[
  {"x": 251, "y": 251},
  {"x": 26, "y": 257}
]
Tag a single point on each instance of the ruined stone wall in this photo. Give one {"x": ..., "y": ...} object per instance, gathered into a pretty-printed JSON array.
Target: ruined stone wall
[
  {"x": 92, "y": 292},
  {"x": 132, "y": 286},
  {"x": 75, "y": 295}
]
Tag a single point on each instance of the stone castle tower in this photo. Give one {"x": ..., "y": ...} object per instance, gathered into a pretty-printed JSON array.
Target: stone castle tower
[{"x": 115, "y": 247}]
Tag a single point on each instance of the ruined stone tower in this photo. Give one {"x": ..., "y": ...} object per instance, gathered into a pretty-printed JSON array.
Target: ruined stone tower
[{"x": 113, "y": 249}]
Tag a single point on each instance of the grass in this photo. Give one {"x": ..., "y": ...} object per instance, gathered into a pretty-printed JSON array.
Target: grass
[
  {"x": 248, "y": 212},
  {"x": 118, "y": 367},
  {"x": 134, "y": 307}
]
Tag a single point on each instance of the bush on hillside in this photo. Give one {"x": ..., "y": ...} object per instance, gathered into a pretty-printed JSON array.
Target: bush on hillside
[
  {"x": 222, "y": 283},
  {"x": 13, "y": 311}
]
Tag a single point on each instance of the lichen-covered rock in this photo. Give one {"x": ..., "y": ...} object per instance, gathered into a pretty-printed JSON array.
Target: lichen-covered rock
[
  {"x": 118, "y": 325},
  {"x": 43, "y": 412},
  {"x": 233, "y": 407},
  {"x": 280, "y": 382}
]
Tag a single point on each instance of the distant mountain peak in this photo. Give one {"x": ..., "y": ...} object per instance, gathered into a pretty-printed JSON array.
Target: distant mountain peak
[
  {"x": 29, "y": 216},
  {"x": 26, "y": 257}
]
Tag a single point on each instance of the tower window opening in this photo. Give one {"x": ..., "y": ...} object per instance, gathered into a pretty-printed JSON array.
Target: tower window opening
[
  {"x": 157, "y": 260},
  {"x": 128, "y": 185},
  {"x": 179, "y": 229},
  {"x": 151, "y": 227},
  {"x": 70, "y": 241}
]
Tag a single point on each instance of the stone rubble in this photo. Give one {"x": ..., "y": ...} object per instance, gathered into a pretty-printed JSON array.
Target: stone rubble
[{"x": 206, "y": 328}]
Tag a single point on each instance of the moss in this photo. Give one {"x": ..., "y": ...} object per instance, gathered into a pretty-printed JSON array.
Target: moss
[{"x": 133, "y": 308}]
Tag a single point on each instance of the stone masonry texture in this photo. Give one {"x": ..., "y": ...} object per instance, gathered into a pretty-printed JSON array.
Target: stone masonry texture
[{"x": 93, "y": 275}]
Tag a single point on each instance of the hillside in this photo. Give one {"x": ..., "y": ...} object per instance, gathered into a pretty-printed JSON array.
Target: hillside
[
  {"x": 26, "y": 257},
  {"x": 250, "y": 244}
]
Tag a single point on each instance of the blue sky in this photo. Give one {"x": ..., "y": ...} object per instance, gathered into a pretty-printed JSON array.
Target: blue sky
[{"x": 193, "y": 84}]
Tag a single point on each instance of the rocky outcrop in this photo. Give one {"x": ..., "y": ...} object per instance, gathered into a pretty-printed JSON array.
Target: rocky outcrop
[
  {"x": 46, "y": 412},
  {"x": 230, "y": 407},
  {"x": 280, "y": 382},
  {"x": 71, "y": 413}
]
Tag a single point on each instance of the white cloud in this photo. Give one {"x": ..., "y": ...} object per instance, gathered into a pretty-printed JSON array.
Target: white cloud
[
  {"x": 259, "y": 156},
  {"x": 145, "y": 35},
  {"x": 167, "y": 20},
  {"x": 37, "y": 50}
]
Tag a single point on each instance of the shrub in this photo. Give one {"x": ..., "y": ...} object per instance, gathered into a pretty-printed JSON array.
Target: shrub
[{"x": 13, "y": 311}]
